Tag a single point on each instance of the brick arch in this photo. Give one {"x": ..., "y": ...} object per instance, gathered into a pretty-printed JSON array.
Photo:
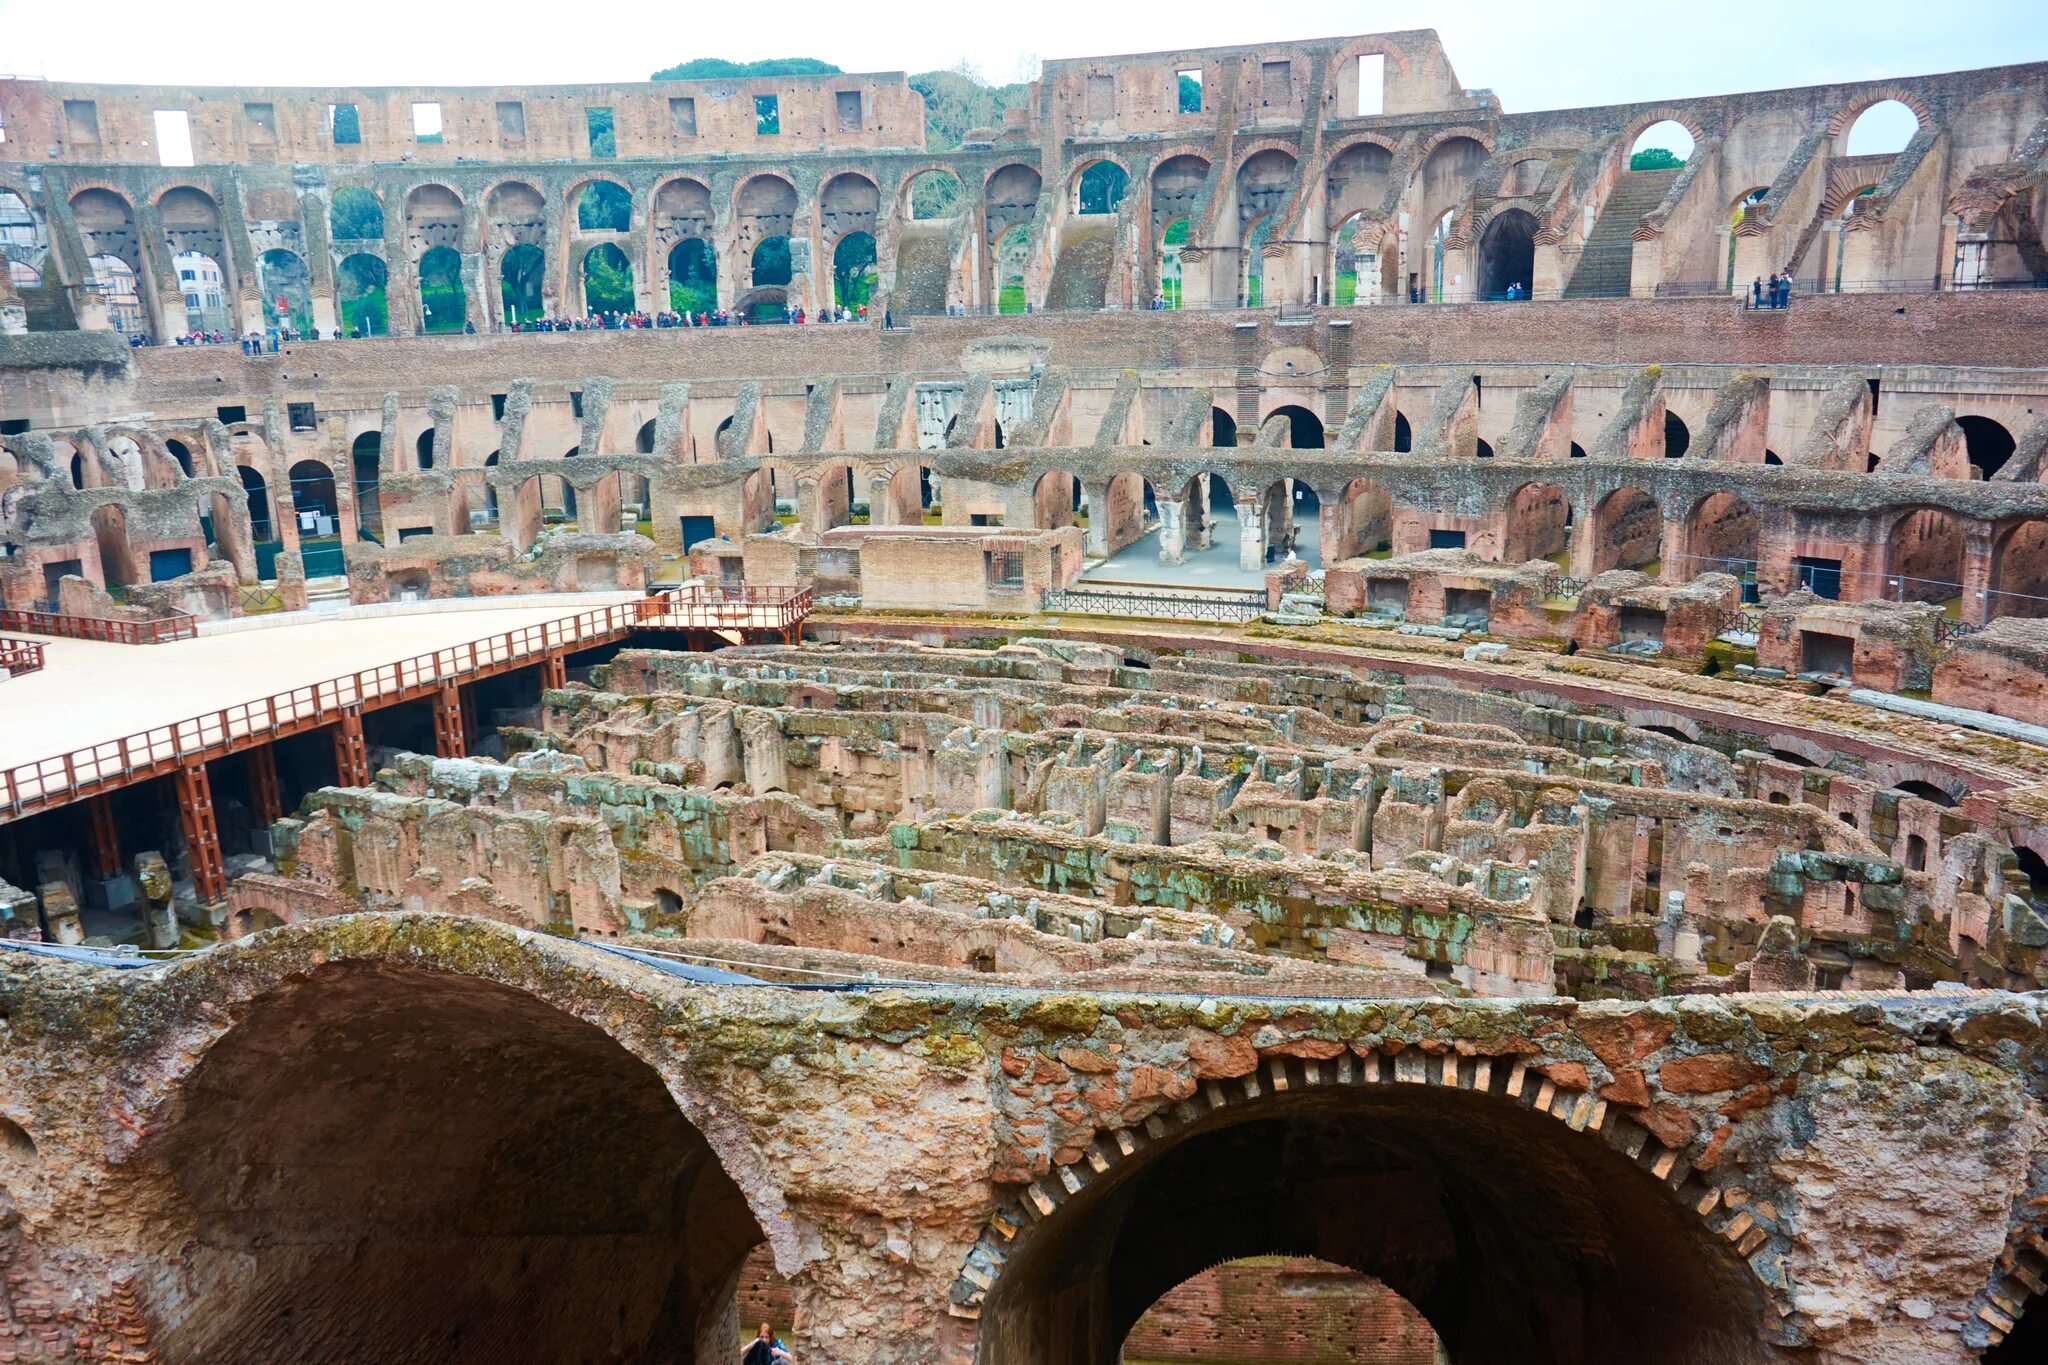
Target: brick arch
[
  {"x": 196, "y": 184},
  {"x": 1723, "y": 1212},
  {"x": 1688, "y": 119},
  {"x": 288, "y": 969},
  {"x": 1845, "y": 117},
  {"x": 1428, "y": 145},
  {"x": 1832, "y": 206}
]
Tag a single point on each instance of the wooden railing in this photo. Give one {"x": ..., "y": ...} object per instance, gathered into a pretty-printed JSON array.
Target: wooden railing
[
  {"x": 101, "y": 628},
  {"x": 20, "y": 656},
  {"x": 71, "y": 776}
]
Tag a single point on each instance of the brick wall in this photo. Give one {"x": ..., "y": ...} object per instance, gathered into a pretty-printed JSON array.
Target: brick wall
[
  {"x": 2006, "y": 329},
  {"x": 1273, "y": 1309}
]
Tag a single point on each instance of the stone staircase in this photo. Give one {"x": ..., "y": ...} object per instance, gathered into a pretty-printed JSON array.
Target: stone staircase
[
  {"x": 1603, "y": 270},
  {"x": 49, "y": 309},
  {"x": 1080, "y": 277}
]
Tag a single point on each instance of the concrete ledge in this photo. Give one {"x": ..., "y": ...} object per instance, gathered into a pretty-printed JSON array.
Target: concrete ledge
[{"x": 1954, "y": 715}]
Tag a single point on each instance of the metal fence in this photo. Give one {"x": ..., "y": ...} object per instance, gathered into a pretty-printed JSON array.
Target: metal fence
[
  {"x": 20, "y": 656},
  {"x": 1175, "y": 606},
  {"x": 179, "y": 627}
]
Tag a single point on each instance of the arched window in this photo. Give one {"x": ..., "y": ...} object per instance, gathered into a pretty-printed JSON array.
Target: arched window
[
  {"x": 604, "y": 207},
  {"x": 1101, "y": 188},
  {"x": 443, "y": 305},
  {"x": 771, "y": 262},
  {"x": 359, "y": 287},
  {"x": 853, "y": 269},
  {"x": 355, "y": 215},
  {"x": 607, "y": 280},
  {"x": 1663, "y": 146},
  {"x": 287, "y": 290},
  {"x": 519, "y": 282},
  {"x": 1883, "y": 129},
  {"x": 692, "y": 276}
]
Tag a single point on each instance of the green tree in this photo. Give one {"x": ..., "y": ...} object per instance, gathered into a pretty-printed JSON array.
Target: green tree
[
  {"x": 718, "y": 68},
  {"x": 1190, "y": 93},
  {"x": 958, "y": 101},
  {"x": 607, "y": 281},
  {"x": 771, "y": 261},
  {"x": 602, "y": 140},
  {"x": 853, "y": 279},
  {"x": 348, "y": 127},
  {"x": 1655, "y": 159},
  {"x": 355, "y": 215}
]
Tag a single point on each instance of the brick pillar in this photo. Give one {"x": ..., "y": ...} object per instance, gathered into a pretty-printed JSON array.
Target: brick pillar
[
  {"x": 450, "y": 730},
  {"x": 106, "y": 840},
  {"x": 351, "y": 755},
  {"x": 202, "y": 833},
  {"x": 1976, "y": 605},
  {"x": 264, "y": 791}
]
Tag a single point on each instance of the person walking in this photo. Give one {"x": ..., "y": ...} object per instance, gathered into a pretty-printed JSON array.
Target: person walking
[{"x": 1756, "y": 292}]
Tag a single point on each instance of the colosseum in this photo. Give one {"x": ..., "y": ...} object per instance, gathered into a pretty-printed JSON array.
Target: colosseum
[{"x": 1267, "y": 713}]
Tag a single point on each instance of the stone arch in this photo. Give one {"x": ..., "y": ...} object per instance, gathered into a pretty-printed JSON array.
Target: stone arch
[
  {"x": 1659, "y": 135},
  {"x": 522, "y": 283},
  {"x": 1357, "y": 177},
  {"x": 433, "y": 219},
  {"x": 764, "y": 206},
  {"x": 360, "y": 282},
  {"x": 1632, "y": 132},
  {"x": 1677, "y": 436},
  {"x": 1222, "y": 429},
  {"x": 607, "y": 280},
  {"x": 1866, "y": 97},
  {"x": 602, "y": 206},
  {"x": 444, "y": 303},
  {"x": 1989, "y": 443},
  {"x": 287, "y": 289},
  {"x": 2019, "y": 570},
  {"x": 836, "y": 490},
  {"x": 1177, "y": 185},
  {"x": 1507, "y": 254},
  {"x": 367, "y": 467},
  {"x": 313, "y": 489},
  {"x": 355, "y": 214},
  {"x": 849, "y": 201},
  {"x": 1099, "y": 185},
  {"x": 1129, "y": 513},
  {"x": 1628, "y": 530},
  {"x": 911, "y": 494},
  {"x": 930, "y": 193},
  {"x": 256, "y": 497},
  {"x": 120, "y": 566},
  {"x": 693, "y": 276},
  {"x": 1721, "y": 536},
  {"x": 528, "y": 1140},
  {"x": 1304, "y": 428},
  {"x": 1362, "y": 521},
  {"x": 1924, "y": 553},
  {"x": 853, "y": 270},
  {"x": 1539, "y": 524},
  {"x": 1548, "y": 1187},
  {"x": 1054, "y": 499},
  {"x": 1010, "y": 198}
]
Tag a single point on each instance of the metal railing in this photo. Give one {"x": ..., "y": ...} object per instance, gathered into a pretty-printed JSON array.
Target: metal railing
[
  {"x": 1248, "y": 606},
  {"x": 101, "y": 628},
  {"x": 80, "y": 772},
  {"x": 20, "y": 656}
]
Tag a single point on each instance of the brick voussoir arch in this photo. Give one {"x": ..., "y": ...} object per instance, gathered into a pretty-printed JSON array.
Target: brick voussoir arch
[{"x": 1745, "y": 1231}]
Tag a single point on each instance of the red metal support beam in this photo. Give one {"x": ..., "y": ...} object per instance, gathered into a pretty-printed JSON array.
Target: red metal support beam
[
  {"x": 554, "y": 671},
  {"x": 451, "y": 732},
  {"x": 351, "y": 754},
  {"x": 263, "y": 785},
  {"x": 106, "y": 839},
  {"x": 202, "y": 833}
]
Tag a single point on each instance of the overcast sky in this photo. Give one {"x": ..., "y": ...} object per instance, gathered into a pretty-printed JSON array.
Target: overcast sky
[{"x": 1533, "y": 55}]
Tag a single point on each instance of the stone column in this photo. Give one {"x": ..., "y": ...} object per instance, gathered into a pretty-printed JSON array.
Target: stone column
[
  {"x": 1097, "y": 495},
  {"x": 1251, "y": 533},
  {"x": 13, "y": 316},
  {"x": 1172, "y": 531},
  {"x": 1977, "y": 545}
]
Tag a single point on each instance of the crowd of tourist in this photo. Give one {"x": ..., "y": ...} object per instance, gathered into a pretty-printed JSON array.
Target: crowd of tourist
[{"x": 1775, "y": 292}]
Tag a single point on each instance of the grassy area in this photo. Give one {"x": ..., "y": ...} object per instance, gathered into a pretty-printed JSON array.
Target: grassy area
[{"x": 1011, "y": 300}]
